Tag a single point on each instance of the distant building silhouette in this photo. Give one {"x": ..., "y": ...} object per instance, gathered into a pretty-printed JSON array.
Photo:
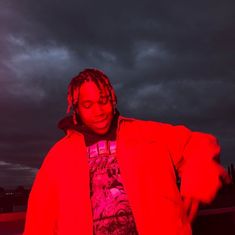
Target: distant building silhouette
[{"x": 13, "y": 200}]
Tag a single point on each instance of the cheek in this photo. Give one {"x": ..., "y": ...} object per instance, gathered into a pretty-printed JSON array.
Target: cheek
[
  {"x": 108, "y": 108},
  {"x": 85, "y": 114}
]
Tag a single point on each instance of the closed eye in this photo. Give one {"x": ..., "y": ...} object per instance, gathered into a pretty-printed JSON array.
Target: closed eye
[
  {"x": 87, "y": 104},
  {"x": 103, "y": 100}
]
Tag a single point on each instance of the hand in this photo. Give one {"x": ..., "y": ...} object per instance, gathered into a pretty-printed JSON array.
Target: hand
[{"x": 190, "y": 208}]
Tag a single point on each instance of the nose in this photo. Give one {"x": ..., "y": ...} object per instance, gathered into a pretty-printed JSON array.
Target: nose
[{"x": 98, "y": 110}]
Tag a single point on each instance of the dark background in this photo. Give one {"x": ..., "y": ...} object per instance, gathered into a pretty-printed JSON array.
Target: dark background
[{"x": 170, "y": 61}]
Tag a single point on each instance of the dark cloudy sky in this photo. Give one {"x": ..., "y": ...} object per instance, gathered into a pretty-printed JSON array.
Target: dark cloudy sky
[{"x": 171, "y": 61}]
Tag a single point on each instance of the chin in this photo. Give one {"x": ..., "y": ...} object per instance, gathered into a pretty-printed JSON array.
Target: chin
[{"x": 101, "y": 131}]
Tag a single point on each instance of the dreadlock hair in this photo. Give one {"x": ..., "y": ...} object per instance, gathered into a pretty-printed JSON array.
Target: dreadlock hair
[{"x": 89, "y": 74}]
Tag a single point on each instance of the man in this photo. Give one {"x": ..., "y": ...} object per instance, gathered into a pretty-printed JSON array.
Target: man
[{"x": 117, "y": 175}]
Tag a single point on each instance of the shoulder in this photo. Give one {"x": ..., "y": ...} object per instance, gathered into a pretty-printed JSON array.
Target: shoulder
[
  {"x": 67, "y": 141},
  {"x": 153, "y": 127},
  {"x": 62, "y": 149},
  {"x": 138, "y": 123}
]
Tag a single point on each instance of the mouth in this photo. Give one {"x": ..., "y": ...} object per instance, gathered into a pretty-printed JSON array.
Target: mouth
[
  {"x": 100, "y": 121},
  {"x": 101, "y": 124}
]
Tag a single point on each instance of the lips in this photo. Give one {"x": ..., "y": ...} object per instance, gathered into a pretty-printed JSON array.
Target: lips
[
  {"x": 101, "y": 124},
  {"x": 100, "y": 121}
]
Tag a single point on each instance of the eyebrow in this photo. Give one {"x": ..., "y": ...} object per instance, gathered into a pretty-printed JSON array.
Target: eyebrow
[
  {"x": 101, "y": 96},
  {"x": 83, "y": 101}
]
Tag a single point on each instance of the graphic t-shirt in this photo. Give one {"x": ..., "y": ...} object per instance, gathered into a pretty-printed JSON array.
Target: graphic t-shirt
[{"x": 110, "y": 207}]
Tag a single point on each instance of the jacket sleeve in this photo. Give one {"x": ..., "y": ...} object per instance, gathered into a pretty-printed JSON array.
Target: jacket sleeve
[
  {"x": 41, "y": 211},
  {"x": 195, "y": 156}
]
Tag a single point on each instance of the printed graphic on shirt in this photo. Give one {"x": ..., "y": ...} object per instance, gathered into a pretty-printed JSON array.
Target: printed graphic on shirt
[{"x": 111, "y": 210}]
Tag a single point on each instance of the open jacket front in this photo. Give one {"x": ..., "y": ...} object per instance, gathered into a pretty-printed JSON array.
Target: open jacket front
[{"x": 148, "y": 154}]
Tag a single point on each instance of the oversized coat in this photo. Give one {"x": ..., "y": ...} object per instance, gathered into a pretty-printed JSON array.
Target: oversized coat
[{"x": 149, "y": 153}]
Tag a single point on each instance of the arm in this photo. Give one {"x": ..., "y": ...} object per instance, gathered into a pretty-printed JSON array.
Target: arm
[
  {"x": 201, "y": 173},
  {"x": 195, "y": 156}
]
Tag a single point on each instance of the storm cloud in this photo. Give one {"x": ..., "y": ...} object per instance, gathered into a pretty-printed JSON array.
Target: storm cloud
[{"x": 168, "y": 61}]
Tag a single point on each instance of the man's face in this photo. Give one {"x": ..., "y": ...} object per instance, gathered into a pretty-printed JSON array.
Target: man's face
[{"x": 95, "y": 108}]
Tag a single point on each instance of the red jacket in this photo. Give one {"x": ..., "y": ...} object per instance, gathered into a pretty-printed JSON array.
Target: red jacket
[{"x": 148, "y": 154}]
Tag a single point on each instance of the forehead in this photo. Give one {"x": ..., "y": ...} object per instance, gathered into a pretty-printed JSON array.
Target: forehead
[{"x": 90, "y": 91}]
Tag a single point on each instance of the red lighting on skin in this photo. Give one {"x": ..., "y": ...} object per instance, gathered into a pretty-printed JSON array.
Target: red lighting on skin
[{"x": 95, "y": 109}]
